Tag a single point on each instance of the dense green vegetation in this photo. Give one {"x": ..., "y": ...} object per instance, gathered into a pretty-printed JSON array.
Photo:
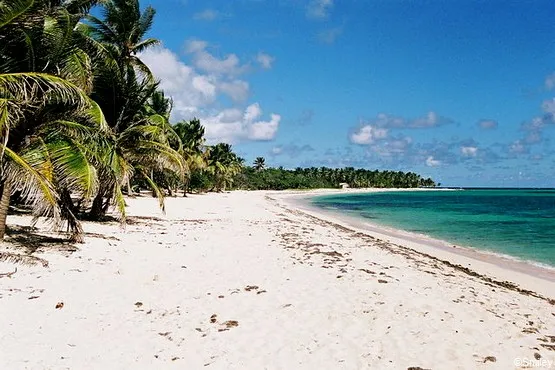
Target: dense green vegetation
[
  {"x": 83, "y": 120},
  {"x": 311, "y": 178}
]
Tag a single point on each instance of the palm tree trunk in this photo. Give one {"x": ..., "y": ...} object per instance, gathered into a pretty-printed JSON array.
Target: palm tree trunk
[
  {"x": 96, "y": 208},
  {"x": 74, "y": 227},
  {"x": 129, "y": 189},
  {"x": 185, "y": 187},
  {"x": 5, "y": 192},
  {"x": 152, "y": 178},
  {"x": 106, "y": 205}
]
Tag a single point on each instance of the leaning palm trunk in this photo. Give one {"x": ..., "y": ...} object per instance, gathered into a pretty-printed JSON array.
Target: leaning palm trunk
[
  {"x": 101, "y": 203},
  {"x": 186, "y": 183},
  {"x": 68, "y": 213},
  {"x": 97, "y": 207},
  {"x": 5, "y": 193},
  {"x": 129, "y": 188},
  {"x": 154, "y": 194}
]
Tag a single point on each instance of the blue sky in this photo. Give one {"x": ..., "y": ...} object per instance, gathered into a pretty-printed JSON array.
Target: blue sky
[{"x": 462, "y": 91}]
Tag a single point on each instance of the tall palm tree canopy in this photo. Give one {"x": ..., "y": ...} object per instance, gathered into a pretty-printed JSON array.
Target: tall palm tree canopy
[
  {"x": 191, "y": 133},
  {"x": 123, "y": 30},
  {"x": 259, "y": 163},
  {"x": 48, "y": 124}
]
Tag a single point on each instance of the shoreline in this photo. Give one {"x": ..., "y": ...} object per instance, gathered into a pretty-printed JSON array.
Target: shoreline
[{"x": 530, "y": 275}]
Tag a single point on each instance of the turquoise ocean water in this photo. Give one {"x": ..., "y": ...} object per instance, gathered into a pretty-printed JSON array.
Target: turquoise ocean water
[{"x": 519, "y": 223}]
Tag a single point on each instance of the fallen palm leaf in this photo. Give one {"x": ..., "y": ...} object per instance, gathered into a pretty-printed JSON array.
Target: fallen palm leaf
[
  {"x": 22, "y": 259},
  {"x": 8, "y": 274}
]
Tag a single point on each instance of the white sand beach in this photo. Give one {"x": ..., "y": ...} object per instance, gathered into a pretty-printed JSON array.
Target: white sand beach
[{"x": 247, "y": 280}]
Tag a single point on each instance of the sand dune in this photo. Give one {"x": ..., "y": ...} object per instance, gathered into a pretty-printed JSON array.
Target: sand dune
[{"x": 245, "y": 281}]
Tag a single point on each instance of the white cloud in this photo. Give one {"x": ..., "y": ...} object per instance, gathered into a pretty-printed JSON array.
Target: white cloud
[
  {"x": 469, "y": 151},
  {"x": 188, "y": 88},
  {"x": 252, "y": 112},
  {"x": 205, "y": 61},
  {"x": 265, "y": 60},
  {"x": 535, "y": 127},
  {"x": 368, "y": 134},
  {"x": 319, "y": 9},
  {"x": 533, "y": 137},
  {"x": 536, "y": 123},
  {"x": 291, "y": 150},
  {"x": 264, "y": 130},
  {"x": 392, "y": 149},
  {"x": 384, "y": 120},
  {"x": 548, "y": 106},
  {"x": 206, "y": 15},
  {"x": 233, "y": 125},
  {"x": 431, "y": 162},
  {"x": 194, "y": 46},
  {"x": 518, "y": 147},
  {"x": 276, "y": 150},
  {"x": 330, "y": 35},
  {"x": 550, "y": 81},
  {"x": 237, "y": 90},
  {"x": 196, "y": 93},
  {"x": 430, "y": 120},
  {"x": 487, "y": 124}
]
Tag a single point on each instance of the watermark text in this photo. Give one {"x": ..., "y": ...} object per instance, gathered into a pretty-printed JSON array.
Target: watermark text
[{"x": 541, "y": 363}]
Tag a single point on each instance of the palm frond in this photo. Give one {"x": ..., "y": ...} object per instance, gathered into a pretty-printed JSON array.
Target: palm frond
[
  {"x": 142, "y": 68},
  {"x": 113, "y": 165},
  {"x": 102, "y": 30},
  {"x": 156, "y": 191},
  {"x": 71, "y": 129},
  {"x": 80, "y": 7},
  {"x": 72, "y": 168},
  {"x": 119, "y": 202},
  {"x": 12, "y": 9},
  {"x": 154, "y": 127},
  {"x": 77, "y": 68},
  {"x": 96, "y": 116},
  {"x": 22, "y": 259},
  {"x": 10, "y": 112},
  {"x": 23, "y": 175},
  {"x": 29, "y": 43},
  {"x": 26, "y": 87},
  {"x": 56, "y": 34},
  {"x": 145, "y": 44},
  {"x": 102, "y": 54},
  {"x": 161, "y": 156},
  {"x": 144, "y": 23}
]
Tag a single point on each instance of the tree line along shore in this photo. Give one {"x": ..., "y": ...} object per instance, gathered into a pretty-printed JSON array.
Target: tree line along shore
[{"x": 84, "y": 121}]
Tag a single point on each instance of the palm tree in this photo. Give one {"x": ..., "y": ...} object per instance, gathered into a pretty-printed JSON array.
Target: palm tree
[
  {"x": 121, "y": 78},
  {"x": 259, "y": 163},
  {"x": 142, "y": 146},
  {"x": 194, "y": 151},
  {"x": 135, "y": 110},
  {"x": 223, "y": 164},
  {"x": 122, "y": 32},
  {"x": 31, "y": 163},
  {"x": 159, "y": 104},
  {"x": 44, "y": 119}
]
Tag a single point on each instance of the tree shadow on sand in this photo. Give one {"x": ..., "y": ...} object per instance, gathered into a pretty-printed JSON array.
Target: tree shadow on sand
[{"x": 23, "y": 242}]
